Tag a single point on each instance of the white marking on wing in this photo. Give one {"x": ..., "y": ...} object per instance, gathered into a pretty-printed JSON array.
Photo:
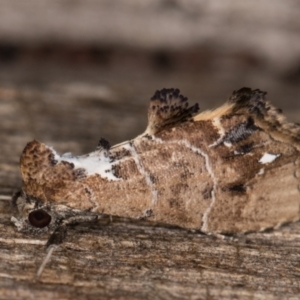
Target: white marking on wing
[
  {"x": 208, "y": 167},
  {"x": 261, "y": 171},
  {"x": 131, "y": 148},
  {"x": 227, "y": 144},
  {"x": 268, "y": 158},
  {"x": 217, "y": 123},
  {"x": 97, "y": 162}
]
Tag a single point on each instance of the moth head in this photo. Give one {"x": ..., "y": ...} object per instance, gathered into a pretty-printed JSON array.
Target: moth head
[{"x": 36, "y": 216}]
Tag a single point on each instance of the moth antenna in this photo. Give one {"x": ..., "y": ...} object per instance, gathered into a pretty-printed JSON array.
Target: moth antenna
[{"x": 46, "y": 259}]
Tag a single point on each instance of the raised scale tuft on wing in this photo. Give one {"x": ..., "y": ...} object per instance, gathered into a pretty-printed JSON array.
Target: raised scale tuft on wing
[
  {"x": 271, "y": 118},
  {"x": 168, "y": 108}
]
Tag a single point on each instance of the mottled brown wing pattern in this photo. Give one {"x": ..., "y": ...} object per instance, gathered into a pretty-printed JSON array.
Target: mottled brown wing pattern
[{"x": 234, "y": 169}]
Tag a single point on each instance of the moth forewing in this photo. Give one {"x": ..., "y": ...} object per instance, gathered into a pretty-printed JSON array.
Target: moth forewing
[{"x": 231, "y": 170}]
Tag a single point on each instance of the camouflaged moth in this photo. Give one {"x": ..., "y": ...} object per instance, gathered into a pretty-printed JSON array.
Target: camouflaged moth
[{"x": 231, "y": 170}]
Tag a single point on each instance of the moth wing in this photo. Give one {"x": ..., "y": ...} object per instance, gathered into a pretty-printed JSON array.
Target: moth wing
[
  {"x": 257, "y": 166},
  {"x": 41, "y": 172}
]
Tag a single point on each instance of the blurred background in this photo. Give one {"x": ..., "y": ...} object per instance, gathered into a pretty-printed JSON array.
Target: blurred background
[{"x": 74, "y": 71}]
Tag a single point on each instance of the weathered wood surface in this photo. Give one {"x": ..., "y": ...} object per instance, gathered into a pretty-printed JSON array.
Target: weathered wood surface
[{"x": 122, "y": 259}]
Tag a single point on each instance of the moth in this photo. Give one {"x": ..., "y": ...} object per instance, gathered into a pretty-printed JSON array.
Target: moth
[{"x": 231, "y": 170}]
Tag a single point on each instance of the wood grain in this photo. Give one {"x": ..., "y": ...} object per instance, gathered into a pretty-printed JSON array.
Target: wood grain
[{"x": 123, "y": 259}]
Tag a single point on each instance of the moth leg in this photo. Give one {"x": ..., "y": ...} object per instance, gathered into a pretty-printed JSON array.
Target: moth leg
[
  {"x": 60, "y": 233},
  {"x": 58, "y": 237},
  {"x": 50, "y": 250}
]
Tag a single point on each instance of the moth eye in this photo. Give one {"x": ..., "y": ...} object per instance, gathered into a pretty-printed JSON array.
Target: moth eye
[{"x": 39, "y": 218}]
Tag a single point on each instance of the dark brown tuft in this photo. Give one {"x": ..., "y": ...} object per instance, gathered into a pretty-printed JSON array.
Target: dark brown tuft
[
  {"x": 103, "y": 144},
  {"x": 167, "y": 108},
  {"x": 254, "y": 100}
]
